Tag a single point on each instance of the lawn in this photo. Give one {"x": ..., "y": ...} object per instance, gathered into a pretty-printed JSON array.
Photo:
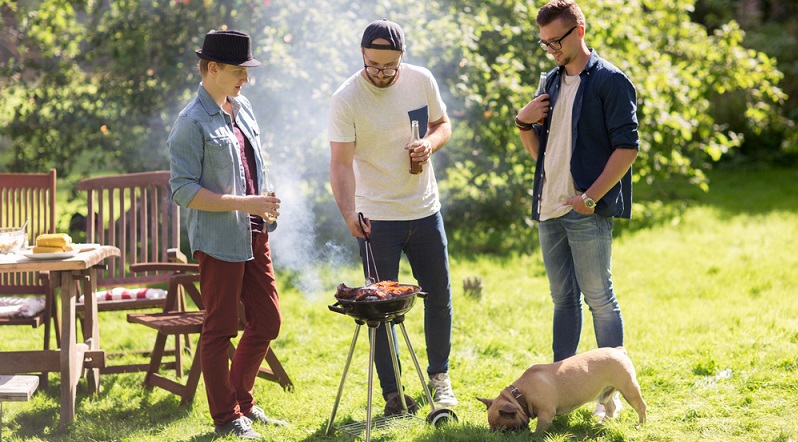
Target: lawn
[{"x": 705, "y": 284}]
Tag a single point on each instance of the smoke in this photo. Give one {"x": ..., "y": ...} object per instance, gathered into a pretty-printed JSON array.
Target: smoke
[
  {"x": 307, "y": 54},
  {"x": 291, "y": 94},
  {"x": 297, "y": 250}
]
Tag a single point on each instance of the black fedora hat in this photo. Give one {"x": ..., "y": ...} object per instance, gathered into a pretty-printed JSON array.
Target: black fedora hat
[{"x": 228, "y": 47}]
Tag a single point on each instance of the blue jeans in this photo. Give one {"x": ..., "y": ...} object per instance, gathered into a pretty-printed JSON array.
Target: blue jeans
[
  {"x": 424, "y": 243},
  {"x": 577, "y": 253}
]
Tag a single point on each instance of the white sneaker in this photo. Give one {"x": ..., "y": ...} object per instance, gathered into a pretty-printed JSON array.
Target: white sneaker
[
  {"x": 600, "y": 412},
  {"x": 618, "y": 405},
  {"x": 441, "y": 388}
]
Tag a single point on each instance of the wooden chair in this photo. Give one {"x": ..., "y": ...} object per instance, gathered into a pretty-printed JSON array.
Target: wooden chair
[
  {"x": 30, "y": 196},
  {"x": 177, "y": 322},
  {"x": 174, "y": 321},
  {"x": 134, "y": 212}
]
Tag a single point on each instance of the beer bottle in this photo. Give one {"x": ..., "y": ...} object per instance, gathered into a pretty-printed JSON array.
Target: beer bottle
[
  {"x": 415, "y": 166},
  {"x": 268, "y": 189},
  {"x": 541, "y": 90}
]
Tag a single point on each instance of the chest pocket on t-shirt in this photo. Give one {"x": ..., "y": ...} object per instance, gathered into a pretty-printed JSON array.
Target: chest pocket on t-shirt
[
  {"x": 219, "y": 151},
  {"x": 422, "y": 115}
]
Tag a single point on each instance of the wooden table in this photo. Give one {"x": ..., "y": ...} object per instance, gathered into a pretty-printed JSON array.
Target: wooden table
[{"x": 73, "y": 357}]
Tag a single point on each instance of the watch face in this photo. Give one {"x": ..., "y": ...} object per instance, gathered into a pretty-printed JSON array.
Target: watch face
[{"x": 590, "y": 204}]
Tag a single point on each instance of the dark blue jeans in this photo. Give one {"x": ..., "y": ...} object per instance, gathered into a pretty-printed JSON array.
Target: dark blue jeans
[{"x": 424, "y": 243}]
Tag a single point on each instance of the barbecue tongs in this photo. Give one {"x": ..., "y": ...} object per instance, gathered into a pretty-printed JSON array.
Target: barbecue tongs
[{"x": 369, "y": 253}]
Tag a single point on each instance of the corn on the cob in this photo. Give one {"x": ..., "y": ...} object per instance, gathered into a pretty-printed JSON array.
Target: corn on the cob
[
  {"x": 43, "y": 249},
  {"x": 60, "y": 240}
]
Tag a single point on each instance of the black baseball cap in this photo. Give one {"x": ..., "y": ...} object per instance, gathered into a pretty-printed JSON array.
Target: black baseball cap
[{"x": 384, "y": 29}]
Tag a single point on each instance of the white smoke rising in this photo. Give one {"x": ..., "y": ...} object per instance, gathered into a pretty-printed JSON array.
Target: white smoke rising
[
  {"x": 307, "y": 54},
  {"x": 295, "y": 245}
]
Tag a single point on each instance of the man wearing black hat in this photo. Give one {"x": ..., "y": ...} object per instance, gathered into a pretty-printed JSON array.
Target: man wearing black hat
[
  {"x": 370, "y": 128},
  {"x": 216, "y": 165}
]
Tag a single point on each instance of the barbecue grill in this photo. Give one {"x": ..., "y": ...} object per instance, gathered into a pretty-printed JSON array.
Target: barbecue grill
[{"x": 374, "y": 313}]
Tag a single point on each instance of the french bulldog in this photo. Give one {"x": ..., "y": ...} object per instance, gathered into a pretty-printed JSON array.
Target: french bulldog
[{"x": 548, "y": 390}]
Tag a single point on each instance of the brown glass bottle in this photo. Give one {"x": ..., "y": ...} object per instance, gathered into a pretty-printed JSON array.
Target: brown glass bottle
[{"x": 415, "y": 166}]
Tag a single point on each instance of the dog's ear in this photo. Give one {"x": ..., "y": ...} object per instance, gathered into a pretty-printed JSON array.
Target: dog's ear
[
  {"x": 487, "y": 402},
  {"x": 507, "y": 410}
]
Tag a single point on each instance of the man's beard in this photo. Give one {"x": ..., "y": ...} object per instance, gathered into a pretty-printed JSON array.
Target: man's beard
[
  {"x": 380, "y": 85},
  {"x": 565, "y": 61}
]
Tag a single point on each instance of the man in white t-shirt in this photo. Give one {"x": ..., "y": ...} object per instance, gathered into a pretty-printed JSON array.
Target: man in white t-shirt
[{"x": 371, "y": 154}]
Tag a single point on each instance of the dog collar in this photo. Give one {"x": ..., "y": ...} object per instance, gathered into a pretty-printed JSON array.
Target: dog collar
[{"x": 516, "y": 394}]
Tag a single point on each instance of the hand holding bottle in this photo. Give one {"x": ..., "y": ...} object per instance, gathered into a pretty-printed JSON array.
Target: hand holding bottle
[
  {"x": 536, "y": 110},
  {"x": 542, "y": 90},
  {"x": 268, "y": 190},
  {"x": 415, "y": 142}
]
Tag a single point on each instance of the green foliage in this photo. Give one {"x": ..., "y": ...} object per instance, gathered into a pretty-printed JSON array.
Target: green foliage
[
  {"x": 676, "y": 65},
  {"x": 772, "y": 29},
  {"x": 707, "y": 367},
  {"x": 97, "y": 85},
  {"x": 92, "y": 84}
]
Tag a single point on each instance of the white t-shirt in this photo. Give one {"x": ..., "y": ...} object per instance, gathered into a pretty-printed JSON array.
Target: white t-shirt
[
  {"x": 377, "y": 120},
  {"x": 558, "y": 183}
]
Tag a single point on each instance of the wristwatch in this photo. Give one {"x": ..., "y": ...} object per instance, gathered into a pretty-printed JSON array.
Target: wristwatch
[{"x": 589, "y": 203}]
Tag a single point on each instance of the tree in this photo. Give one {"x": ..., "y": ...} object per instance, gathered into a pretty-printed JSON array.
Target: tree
[
  {"x": 88, "y": 87},
  {"x": 772, "y": 28},
  {"x": 98, "y": 83},
  {"x": 677, "y": 66}
]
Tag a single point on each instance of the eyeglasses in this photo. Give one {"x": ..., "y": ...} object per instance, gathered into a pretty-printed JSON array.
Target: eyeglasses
[
  {"x": 555, "y": 45},
  {"x": 388, "y": 71},
  {"x": 374, "y": 70}
]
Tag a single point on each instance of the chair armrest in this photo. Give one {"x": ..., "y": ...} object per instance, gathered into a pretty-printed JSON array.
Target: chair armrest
[
  {"x": 175, "y": 255},
  {"x": 164, "y": 267}
]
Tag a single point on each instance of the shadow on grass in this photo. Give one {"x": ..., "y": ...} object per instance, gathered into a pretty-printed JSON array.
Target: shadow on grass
[
  {"x": 122, "y": 407},
  {"x": 36, "y": 423},
  {"x": 579, "y": 425}
]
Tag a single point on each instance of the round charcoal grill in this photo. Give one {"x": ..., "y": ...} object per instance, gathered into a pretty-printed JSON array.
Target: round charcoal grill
[
  {"x": 374, "y": 313},
  {"x": 380, "y": 310}
]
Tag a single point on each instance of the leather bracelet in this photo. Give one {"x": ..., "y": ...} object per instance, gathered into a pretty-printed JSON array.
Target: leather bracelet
[{"x": 523, "y": 126}]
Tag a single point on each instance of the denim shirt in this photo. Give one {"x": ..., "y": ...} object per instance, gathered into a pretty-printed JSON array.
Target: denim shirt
[
  {"x": 604, "y": 119},
  {"x": 205, "y": 154}
]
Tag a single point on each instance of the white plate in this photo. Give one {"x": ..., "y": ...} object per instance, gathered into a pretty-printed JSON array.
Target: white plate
[
  {"x": 53, "y": 255},
  {"x": 86, "y": 247}
]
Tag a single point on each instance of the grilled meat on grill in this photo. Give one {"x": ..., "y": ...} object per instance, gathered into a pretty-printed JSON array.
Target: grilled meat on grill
[{"x": 380, "y": 290}]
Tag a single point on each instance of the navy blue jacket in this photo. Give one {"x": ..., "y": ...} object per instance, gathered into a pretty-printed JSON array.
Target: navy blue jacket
[{"x": 604, "y": 119}]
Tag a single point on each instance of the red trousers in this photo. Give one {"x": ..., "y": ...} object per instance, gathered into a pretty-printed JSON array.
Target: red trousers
[{"x": 223, "y": 284}]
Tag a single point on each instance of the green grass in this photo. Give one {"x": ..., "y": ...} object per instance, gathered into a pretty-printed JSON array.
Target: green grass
[{"x": 705, "y": 283}]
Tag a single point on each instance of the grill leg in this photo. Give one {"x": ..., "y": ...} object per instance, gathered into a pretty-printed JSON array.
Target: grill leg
[
  {"x": 418, "y": 367},
  {"x": 343, "y": 378},
  {"x": 372, "y": 342},
  {"x": 395, "y": 361}
]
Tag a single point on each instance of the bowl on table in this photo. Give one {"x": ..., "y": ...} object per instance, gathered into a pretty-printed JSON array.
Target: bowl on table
[{"x": 12, "y": 239}]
